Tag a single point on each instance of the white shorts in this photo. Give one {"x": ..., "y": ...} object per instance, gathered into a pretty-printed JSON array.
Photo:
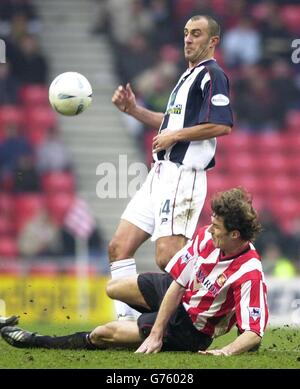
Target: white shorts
[{"x": 169, "y": 202}]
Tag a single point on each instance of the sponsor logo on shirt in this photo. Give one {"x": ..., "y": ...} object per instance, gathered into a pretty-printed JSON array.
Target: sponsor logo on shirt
[
  {"x": 175, "y": 110},
  {"x": 185, "y": 258},
  {"x": 220, "y": 100},
  {"x": 205, "y": 282},
  {"x": 254, "y": 312}
]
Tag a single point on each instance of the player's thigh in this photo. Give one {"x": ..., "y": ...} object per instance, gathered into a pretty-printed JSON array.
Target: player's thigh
[
  {"x": 166, "y": 247},
  {"x": 178, "y": 206},
  {"x": 140, "y": 209},
  {"x": 126, "y": 290},
  {"x": 126, "y": 240}
]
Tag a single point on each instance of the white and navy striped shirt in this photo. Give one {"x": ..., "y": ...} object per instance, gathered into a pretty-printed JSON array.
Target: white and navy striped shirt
[{"x": 200, "y": 96}]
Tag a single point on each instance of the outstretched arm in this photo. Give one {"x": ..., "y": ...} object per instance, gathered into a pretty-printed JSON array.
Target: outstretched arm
[
  {"x": 124, "y": 99},
  {"x": 241, "y": 344},
  {"x": 172, "y": 299}
]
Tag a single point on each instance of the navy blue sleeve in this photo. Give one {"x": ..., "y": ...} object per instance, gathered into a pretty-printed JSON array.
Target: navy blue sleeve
[{"x": 216, "y": 103}]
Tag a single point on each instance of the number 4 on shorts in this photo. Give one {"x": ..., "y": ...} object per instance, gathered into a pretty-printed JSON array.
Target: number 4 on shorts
[{"x": 165, "y": 207}]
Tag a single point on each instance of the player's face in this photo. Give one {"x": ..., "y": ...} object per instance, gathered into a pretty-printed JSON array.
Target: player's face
[
  {"x": 197, "y": 43},
  {"x": 220, "y": 236}
]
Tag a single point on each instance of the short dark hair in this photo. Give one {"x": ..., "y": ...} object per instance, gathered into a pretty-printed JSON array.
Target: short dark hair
[
  {"x": 235, "y": 207},
  {"x": 214, "y": 28}
]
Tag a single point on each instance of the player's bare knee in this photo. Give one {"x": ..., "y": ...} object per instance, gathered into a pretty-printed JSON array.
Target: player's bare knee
[
  {"x": 162, "y": 261},
  {"x": 101, "y": 334},
  {"x": 118, "y": 250},
  {"x": 112, "y": 288},
  {"x": 163, "y": 254}
]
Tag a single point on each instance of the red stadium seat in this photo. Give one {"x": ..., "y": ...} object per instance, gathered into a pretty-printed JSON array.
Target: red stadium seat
[
  {"x": 237, "y": 141},
  {"x": 8, "y": 247},
  {"x": 58, "y": 205},
  {"x": 6, "y": 204},
  {"x": 242, "y": 162},
  {"x": 27, "y": 206},
  {"x": 45, "y": 269},
  {"x": 43, "y": 117},
  {"x": 251, "y": 183},
  {"x": 34, "y": 95},
  {"x": 285, "y": 209},
  {"x": 72, "y": 269},
  {"x": 7, "y": 227},
  {"x": 219, "y": 182},
  {"x": 290, "y": 16},
  {"x": 269, "y": 143},
  {"x": 293, "y": 121},
  {"x": 273, "y": 164},
  {"x": 58, "y": 182},
  {"x": 259, "y": 11},
  {"x": 36, "y": 135},
  {"x": 10, "y": 114},
  {"x": 278, "y": 185}
]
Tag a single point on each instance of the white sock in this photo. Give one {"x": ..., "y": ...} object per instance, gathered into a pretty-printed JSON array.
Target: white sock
[{"x": 122, "y": 269}]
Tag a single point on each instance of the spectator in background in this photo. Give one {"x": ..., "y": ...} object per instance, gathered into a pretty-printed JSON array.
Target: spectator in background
[
  {"x": 242, "y": 44},
  {"x": 26, "y": 177},
  {"x": 31, "y": 66},
  {"x": 276, "y": 39},
  {"x": 271, "y": 234},
  {"x": 95, "y": 243},
  {"x": 283, "y": 86},
  {"x": 134, "y": 57},
  {"x": 40, "y": 236},
  {"x": 250, "y": 91},
  {"x": 8, "y": 85},
  {"x": 292, "y": 244},
  {"x": 13, "y": 147},
  {"x": 9, "y": 8},
  {"x": 52, "y": 154}
]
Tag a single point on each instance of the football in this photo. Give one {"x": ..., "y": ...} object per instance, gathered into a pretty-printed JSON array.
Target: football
[{"x": 70, "y": 93}]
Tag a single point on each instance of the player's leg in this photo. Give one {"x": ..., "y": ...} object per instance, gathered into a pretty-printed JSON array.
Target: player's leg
[
  {"x": 8, "y": 321},
  {"x": 111, "y": 334},
  {"x": 166, "y": 247},
  {"x": 122, "y": 248},
  {"x": 128, "y": 291},
  {"x": 136, "y": 226},
  {"x": 116, "y": 333},
  {"x": 177, "y": 209}
]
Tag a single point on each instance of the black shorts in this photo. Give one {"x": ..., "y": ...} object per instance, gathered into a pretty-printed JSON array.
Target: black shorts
[{"x": 180, "y": 334}]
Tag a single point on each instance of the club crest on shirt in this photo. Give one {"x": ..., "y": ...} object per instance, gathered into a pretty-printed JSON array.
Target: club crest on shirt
[
  {"x": 254, "y": 312},
  {"x": 221, "y": 279}
]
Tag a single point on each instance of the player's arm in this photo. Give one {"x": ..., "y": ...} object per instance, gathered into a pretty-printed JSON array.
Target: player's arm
[
  {"x": 172, "y": 299},
  {"x": 124, "y": 99},
  {"x": 204, "y": 131},
  {"x": 251, "y": 314},
  {"x": 241, "y": 344}
]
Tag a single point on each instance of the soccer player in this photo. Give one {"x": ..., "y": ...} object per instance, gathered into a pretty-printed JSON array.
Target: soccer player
[
  {"x": 168, "y": 205},
  {"x": 213, "y": 283},
  {"x": 8, "y": 321}
]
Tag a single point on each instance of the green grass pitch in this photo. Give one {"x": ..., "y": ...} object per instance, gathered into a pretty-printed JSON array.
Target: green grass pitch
[{"x": 280, "y": 349}]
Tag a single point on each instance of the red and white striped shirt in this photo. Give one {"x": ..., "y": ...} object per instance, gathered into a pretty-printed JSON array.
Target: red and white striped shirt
[{"x": 221, "y": 291}]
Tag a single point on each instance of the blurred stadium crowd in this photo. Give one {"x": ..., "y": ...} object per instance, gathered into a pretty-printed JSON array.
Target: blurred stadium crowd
[
  {"x": 37, "y": 180},
  {"x": 262, "y": 153}
]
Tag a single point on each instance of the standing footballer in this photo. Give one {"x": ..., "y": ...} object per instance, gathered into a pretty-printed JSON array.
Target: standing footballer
[{"x": 168, "y": 205}]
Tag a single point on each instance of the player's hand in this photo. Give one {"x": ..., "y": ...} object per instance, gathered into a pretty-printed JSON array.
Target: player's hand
[
  {"x": 150, "y": 345},
  {"x": 163, "y": 141},
  {"x": 124, "y": 98},
  {"x": 217, "y": 353}
]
